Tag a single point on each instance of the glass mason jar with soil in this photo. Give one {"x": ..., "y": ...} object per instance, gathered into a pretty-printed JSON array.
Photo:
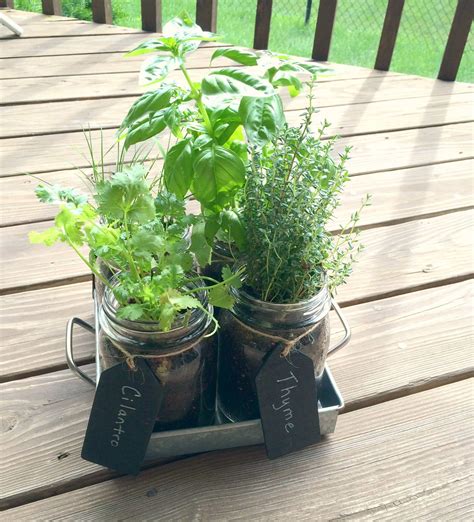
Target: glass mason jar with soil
[
  {"x": 183, "y": 359},
  {"x": 253, "y": 329}
]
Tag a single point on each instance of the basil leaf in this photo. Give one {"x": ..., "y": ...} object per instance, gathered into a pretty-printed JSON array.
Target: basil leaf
[
  {"x": 236, "y": 82},
  {"x": 156, "y": 68},
  {"x": 145, "y": 129},
  {"x": 236, "y": 54},
  {"x": 178, "y": 168},
  {"x": 261, "y": 118},
  {"x": 218, "y": 173},
  {"x": 284, "y": 78},
  {"x": 199, "y": 246},
  {"x": 151, "y": 101},
  {"x": 232, "y": 224},
  {"x": 152, "y": 46}
]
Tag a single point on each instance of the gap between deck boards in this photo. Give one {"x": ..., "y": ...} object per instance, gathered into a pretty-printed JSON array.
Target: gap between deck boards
[{"x": 84, "y": 482}]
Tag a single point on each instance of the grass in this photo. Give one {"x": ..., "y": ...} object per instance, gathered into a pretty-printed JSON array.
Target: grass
[{"x": 422, "y": 37}]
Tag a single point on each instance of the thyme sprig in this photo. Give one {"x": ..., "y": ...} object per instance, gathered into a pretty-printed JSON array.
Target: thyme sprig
[{"x": 288, "y": 204}]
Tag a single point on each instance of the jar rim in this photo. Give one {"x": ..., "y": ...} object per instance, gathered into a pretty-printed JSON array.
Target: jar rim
[{"x": 319, "y": 296}]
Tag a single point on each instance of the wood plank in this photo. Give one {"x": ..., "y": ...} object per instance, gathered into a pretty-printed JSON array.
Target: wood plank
[
  {"x": 410, "y": 457},
  {"x": 83, "y": 87},
  {"x": 53, "y": 29},
  {"x": 263, "y": 19},
  {"x": 457, "y": 40},
  {"x": 382, "y": 151},
  {"x": 80, "y": 64},
  {"x": 346, "y": 120},
  {"x": 116, "y": 43},
  {"x": 33, "y": 325},
  {"x": 410, "y": 256},
  {"x": 28, "y": 17},
  {"x": 397, "y": 196},
  {"x": 411, "y": 148},
  {"x": 48, "y": 414},
  {"x": 388, "y": 37},
  {"x": 404, "y": 257}
]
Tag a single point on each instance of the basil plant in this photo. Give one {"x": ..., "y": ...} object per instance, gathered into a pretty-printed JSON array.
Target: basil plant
[{"x": 212, "y": 120}]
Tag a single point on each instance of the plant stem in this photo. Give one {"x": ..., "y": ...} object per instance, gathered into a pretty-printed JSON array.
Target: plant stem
[
  {"x": 91, "y": 268},
  {"x": 133, "y": 267},
  {"x": 197, "y": 96}
]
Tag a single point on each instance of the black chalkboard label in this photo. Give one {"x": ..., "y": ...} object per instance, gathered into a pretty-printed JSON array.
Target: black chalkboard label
[
  {"x": 123, "y": 414},
  {"x": 288, "y": 402}
]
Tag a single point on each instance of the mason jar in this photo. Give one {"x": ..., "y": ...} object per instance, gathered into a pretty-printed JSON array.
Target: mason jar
[
  {"x": 183, "y": 359},
  {"x": 253, "y": 329}
]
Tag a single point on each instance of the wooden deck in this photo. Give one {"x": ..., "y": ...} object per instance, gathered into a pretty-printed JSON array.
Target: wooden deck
[{"x": 403, "y": 447}]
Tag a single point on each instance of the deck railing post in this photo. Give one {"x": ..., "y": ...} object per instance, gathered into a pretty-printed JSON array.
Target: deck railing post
[
  {"x": 51, "y": 7},
  {"x": 206, "y": 14},
  {"x": 456, "y": 40},
  {"x": 388, "y": 37},
  {"x": 7, "y": 3},
  {"x": 151, "y": 15},
  {"x": 324, "y": 27},
  {"x": 263, "y": 18},
  {"x": 102, "y": 11}
]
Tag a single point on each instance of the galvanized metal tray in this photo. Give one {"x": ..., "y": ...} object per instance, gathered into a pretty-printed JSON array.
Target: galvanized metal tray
[{"x": 224, "y": 433}]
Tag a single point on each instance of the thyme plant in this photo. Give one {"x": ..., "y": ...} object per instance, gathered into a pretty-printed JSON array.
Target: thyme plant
[{"x": 289, "y": 200}]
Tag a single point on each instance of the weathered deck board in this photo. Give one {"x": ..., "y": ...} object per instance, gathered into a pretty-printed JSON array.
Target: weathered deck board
[
  {"x": 403, "y": 257},
  {"x": 67, "y": 45},
  {"x": 396, "y": 195},
  {"x": 53, "y": 29},
  {"x": 346, "y": 120},
  {"x": 33, "y": 325},
  {"x": 329, "y": 93},
  {"x": 393, "y": 353},
  {"x": 28, "y": 18},
  {"x": 396, "y": 453},
  {"x": 412, "y": 255},
  {"x": 381, "y": 151}
]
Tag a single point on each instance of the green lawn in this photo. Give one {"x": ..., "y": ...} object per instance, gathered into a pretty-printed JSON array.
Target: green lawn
[{"x": 422, "y": 37}]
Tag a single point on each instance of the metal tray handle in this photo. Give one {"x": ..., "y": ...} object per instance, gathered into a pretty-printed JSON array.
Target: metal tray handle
[
  {"x": 70, "y": 351},
  {"x": 347, "y": 329}
]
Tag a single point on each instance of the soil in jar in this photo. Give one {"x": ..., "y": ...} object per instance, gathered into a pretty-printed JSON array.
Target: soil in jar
[
  {"x": 188, "y": 379},
  {"x": 242, "y": 349}
]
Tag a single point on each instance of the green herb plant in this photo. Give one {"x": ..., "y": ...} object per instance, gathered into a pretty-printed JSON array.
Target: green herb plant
[
  {"x": 141, "y": 237},
  {"x": 289, "y": 201},
  {"x": 211, "y": 120}
]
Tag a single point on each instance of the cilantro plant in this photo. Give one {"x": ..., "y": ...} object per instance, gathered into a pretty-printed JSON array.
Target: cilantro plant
[
  {"x": 211, "y": 120},
  {"x": 289, "y": 200},
  {"x": 142, "y": 236}
]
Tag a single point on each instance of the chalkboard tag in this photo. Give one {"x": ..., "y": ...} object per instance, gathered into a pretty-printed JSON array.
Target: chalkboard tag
[
  {"x": 287, "y": 397},
  {"x": 123, "y": 414}
]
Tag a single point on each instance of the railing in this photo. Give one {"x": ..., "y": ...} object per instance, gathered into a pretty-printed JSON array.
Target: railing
[{"x": 206, "y": 17}]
